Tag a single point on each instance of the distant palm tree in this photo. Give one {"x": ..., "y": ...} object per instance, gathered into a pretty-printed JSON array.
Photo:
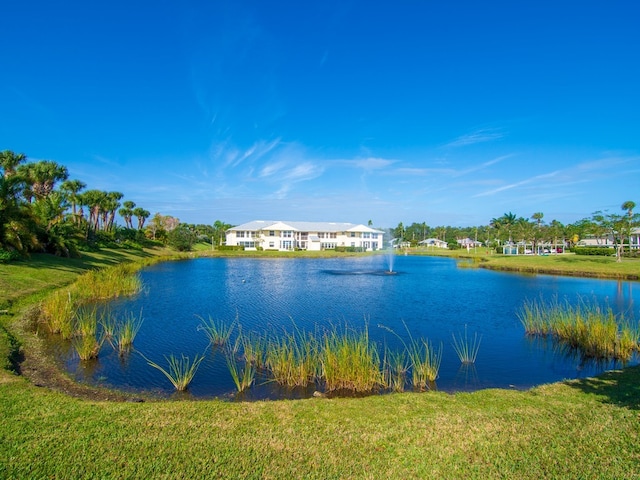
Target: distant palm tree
[
  {"x": 126, "y": 212},
  {"x": 9, "y": 161},
  {"x": 141, "y": 214},
  {"x": 71, "y": 190},
  {"x": 538, "y": 218}
]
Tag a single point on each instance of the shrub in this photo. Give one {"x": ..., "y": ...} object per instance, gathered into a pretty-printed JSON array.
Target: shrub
[{"x": 603, "y": 251}]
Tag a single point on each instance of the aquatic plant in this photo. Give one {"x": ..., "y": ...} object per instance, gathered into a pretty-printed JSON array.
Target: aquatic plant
[
  {"x": 243, "y": 376},
  {"x": 58, "y": 311},
  {"x": 350, "y": 361},
  {"x": 217, "y": 331},
  {"x": 86, "y": 321},
  {"x": 396, "y": 366},
  {"x": 87, "y": 346},
  {"x": 466, "y": 348},
  {"x": 593, "y": 330},
  {"x": 180, "y": 371},
  {"x": 292, "y": 359},
  {"x": 126, "y": 332}
]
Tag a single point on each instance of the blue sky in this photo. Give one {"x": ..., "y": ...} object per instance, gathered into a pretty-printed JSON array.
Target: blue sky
[{"x": 449, "y": 113}]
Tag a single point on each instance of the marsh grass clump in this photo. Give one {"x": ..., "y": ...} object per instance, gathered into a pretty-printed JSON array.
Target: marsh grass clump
[
  {"x": 58, "y": 311},
  {"x": 126, "y": 332},
  {"x": 466, "y": 348},
  {"x": 424, "y": 359},
  {"x": 396, "y": 366},
  {"x": 86, "y": 321},
  {"x": 243, "y": 376},
  {"x": 593, "y": 330},
  {"x": 292, "y": 359},
  {"x": 254, "y": 347},
  {"x": 109, "y": 283},
  {"x": 87, "y": 346},
  {"x": 350, "y": 361},
  {"x": 217, "y": 331},
  {"x": 180, "y": 370}
]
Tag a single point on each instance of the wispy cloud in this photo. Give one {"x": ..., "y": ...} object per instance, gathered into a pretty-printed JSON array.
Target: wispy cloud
[
  {"x": 527, "y": 181},
  {"x": 478, "y": 136}
]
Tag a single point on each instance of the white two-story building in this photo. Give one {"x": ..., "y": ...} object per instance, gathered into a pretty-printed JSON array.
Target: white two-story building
[{"x": 280, "y": 235}]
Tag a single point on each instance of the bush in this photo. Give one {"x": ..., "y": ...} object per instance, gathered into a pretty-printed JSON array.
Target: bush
[
  {"x": 234, "y": 248},
  {"x": 603, "y": 251},
  {"x": 7, "y": 256}
]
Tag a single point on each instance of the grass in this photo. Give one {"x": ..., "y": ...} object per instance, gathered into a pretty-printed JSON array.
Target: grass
[
  {"x": 581, "y": 429},
  {"x": 350, "y": 362},
  {"x": 217, "y": 331},
  {"x": 126, "y": 331},
  {"x": 466, "y": 348},
  {"x": 593, "y": 330},
  {"x": 586, "y": 428},
  {"x": 180, "y": 370},
  {"x": 243, "y": 376}
]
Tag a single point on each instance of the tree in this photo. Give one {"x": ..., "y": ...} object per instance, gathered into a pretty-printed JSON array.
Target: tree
[
  {"x": 126, "y": 212},
  {"x": 182, "y": 237},
  {"x": 536, "y": 234},
  {"x": 219, "y": 231},
  {"x": 41, "y": 178},
  {"x": 9, "y": 161},
  {"x": 141, "y": 214},
  {"x": 71, "y": 189}
]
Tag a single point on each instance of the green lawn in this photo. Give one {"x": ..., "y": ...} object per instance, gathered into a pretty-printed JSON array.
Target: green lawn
[{"x": 579, "y": 429}]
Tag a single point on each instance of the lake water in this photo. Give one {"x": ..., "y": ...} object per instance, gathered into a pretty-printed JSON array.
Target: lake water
[{"x": 432, "y": 296}]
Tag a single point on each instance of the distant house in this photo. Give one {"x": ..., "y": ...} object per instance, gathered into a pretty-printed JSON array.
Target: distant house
[
  {"x": 608, "y": 241},
  {"x": 434, "y": 242},
  {"x": 313, "y": 236},
  {"x": 468, "y": 243}
]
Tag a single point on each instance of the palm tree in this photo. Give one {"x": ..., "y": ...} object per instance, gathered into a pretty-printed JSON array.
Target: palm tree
[
  {"x": 71, "y": 190},
  {"x": 629, "y": 206},
  {"x": 41, "y": 178},
  {"x": 9, "y": 161},
  {"x": 538, "y": 218},
  {"x": 126, "y": 212},
  {"x": 141, "y": 214},
  {"x": 110, "y": 205}
]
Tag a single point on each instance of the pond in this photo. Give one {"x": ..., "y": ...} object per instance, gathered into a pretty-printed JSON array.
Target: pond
[{"x": 429, "y": 297}]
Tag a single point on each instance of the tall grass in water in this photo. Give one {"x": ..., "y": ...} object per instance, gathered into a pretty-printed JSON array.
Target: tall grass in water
[
  {"x": 87, "y": 346},
  {"x": 180, "y": 371},
  {"x": 109, "y": 283},
  {"x": 425, "y": 360},
  {"x": 217, "y": 331},
  {"x": 126, "y": 332},
  {"x": 254, "y": 348},
  {"x": 350, "y": 361},
  {"x": 292, "y": 359},
  {"x": 593, "y": 330},
  {"x": 59, "y": 311},
  {"x": 395, "y": 368},
  {"x": 243, "y": 376},
  {"x": 86, "y": 321},
  {"x": 466, "y": 348}
]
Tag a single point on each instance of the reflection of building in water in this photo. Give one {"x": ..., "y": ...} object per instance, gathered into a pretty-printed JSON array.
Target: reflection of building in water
[{"x": 278, "y": 235}]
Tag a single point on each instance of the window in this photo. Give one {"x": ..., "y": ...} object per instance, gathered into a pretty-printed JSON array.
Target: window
[
  {"x": 374, "y": 235},
  {"x": 287, "y": 234},
  {"x": 366, "y": 235},
  {"x": 332, "y": 235},
  {"x": 271, "y": 244},
  {"x": 286, "y": 244},
  {"x": 353, "y": 234},
  {"x": 240, "y": 234},
  {"x": 272, "y": 233}
]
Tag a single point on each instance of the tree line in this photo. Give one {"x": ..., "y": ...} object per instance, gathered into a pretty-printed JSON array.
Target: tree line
[
  {"x": 510, "y": 228},
  {"x": 41, "y": 209}
]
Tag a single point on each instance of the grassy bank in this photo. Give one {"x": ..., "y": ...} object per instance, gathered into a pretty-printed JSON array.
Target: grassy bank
[
  {"x": 579, "y": 429},
  {"x": 562, "y": 264}
]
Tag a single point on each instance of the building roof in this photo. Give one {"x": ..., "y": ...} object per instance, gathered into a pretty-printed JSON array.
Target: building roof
[{"x": 304, "y": 226}]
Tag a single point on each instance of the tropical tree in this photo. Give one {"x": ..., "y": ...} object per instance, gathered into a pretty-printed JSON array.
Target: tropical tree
[
  {"x": 71, "y": 189},
  {"x": 141, "y": 214},
  {"x": 537, "y": 233},
  {"x": 41, "y": 178},
  {"x": 9, "y": 162},
  {"x": 126, "y": 212},
  {"x": 219, "y": 231}
]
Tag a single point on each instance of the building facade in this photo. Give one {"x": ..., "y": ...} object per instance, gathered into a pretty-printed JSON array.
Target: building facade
[{"x": 314, "y": 236}]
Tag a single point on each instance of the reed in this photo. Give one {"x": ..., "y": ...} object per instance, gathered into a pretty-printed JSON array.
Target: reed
[
  {"x": 292, "y": 359},
  {"x": 109, "y": 283},
  {"x": 58, "y": 312},
  {"x": 467, "y": 349},
  {"x": 350, "y": 361},
  {"x": 254, "y": 347},
  {"x": 424, "y": 359},
  {"x": 243, "y": 375},
  {"x": 396, "y": 367},
  {"x": 217, "y": 331},
  {"x": 87, "y": 346},
  {"x": 593, "y": 330},
  {"x": 109, "y": 326},
  {"x": 126, "y": 332},
  {"x": 86, "y": 321},
  {"x": 180, "y": 370}
]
